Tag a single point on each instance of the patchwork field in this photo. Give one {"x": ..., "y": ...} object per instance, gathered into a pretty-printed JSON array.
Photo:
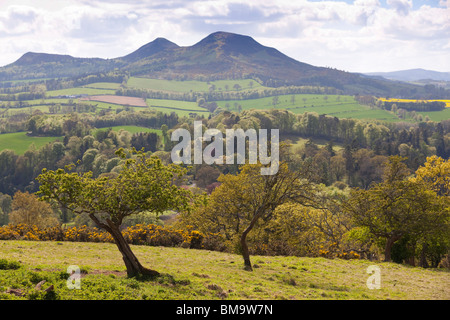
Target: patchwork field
[{"x": 102, "y": 94}]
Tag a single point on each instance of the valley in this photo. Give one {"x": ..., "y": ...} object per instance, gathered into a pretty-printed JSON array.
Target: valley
[{"x": 93, "y": 138}]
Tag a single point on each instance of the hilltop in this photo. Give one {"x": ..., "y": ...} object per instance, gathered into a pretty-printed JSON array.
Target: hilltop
[{"x": 220, "y": 55}]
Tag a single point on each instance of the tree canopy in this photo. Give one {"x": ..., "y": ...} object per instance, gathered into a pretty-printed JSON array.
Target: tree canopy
[{"x": 143, "y": 184}]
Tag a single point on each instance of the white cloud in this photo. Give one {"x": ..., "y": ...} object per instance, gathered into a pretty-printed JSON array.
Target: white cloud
[{"x": 360, "y": 36}]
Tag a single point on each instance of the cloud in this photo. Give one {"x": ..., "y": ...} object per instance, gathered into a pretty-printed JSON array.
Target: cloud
[
  {"x": 352, "y": 35},
  {"x": 402, "y": 7}
]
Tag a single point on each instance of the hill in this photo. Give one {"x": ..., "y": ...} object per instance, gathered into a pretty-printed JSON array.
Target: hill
[
  {"x": 413, "y": 75},
  {"x": 33, "y": 65},
  {"x": 192, "y": 274},
  {"x": 220, "y": 55}
]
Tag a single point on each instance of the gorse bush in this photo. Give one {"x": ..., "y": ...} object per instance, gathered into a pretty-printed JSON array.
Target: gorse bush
[{"x": 139, "y": 234}]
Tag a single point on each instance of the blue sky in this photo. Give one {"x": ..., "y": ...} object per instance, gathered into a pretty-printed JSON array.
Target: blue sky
[{"x": 351, "y": 35}]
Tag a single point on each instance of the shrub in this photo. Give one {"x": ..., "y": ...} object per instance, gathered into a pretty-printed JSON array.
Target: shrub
[{"x": 9, "y": 265}]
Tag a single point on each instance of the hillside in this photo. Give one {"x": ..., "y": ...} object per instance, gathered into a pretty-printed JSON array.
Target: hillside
[
  {"x": 220, "y": 55},
  {"x": 200, "y": 274}
]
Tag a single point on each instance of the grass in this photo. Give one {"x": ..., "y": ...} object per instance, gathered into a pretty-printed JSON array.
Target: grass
[
  {"x": 340, "y": 106},
  {"x": 78, "y": 91},
  {"x": 437, "y": 115},
  {"x": 189, "y": 85},
  {"x": 19, "y": 142},
  {"x": 191, "y": 274},
  {"x": 181, "y": 108},
  {"x": 131, "y": 129}
]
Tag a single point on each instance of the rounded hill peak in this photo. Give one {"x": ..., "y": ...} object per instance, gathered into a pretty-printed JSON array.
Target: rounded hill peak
[{"x": 230, "y": 43}]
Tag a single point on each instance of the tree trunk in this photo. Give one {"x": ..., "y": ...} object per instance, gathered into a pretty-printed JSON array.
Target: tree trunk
[
  {"x": 245, "y": 252},
  {"x": 388, "y": 248},
  {"x": 134, "y": 267},
  {"x": 244, "y": 246}
]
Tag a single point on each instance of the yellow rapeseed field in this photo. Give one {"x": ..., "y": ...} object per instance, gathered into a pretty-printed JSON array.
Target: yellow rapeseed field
[{"x": 447, "y": 102}]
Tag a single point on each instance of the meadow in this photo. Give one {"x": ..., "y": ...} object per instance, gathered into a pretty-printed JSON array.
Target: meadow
[
  {"x": 191, "y": 85},
  {"x": 192, "y": 274},
  {"x": 20, "y": 142},
  {"x": 130, "y": 129},
  {"x": 340, "y": 106}
]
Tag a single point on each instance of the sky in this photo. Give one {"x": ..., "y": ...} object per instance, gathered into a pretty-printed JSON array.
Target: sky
[{"x": 349, "y": 35}]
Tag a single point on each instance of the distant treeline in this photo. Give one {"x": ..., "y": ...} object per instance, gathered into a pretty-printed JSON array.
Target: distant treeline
[
  {"x": 12, "y": 87},
  {"x": 415, "y": 106}
]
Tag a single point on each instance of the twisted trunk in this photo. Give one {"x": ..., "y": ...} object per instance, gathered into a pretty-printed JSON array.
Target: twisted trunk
[
  {"x": 134, "y": 267},
  {"x": 244, "y": 246}
]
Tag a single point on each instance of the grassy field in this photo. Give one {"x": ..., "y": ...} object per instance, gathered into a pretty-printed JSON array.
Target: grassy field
[
  {"x": 340, "y": 106},
  {"x": 131, "y": 129},
  {"x": 78, "y": 91},
  {"x": 190, "y": 85},
  {"x": 199, "y": 274},
  {"x": 19, "y": 142},
  {"x": 432, "y": 115},
  {"x": 437, "y": 115},
  {"x": 182, "y": 108}
]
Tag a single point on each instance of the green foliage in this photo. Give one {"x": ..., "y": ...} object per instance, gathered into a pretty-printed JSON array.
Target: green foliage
[
  {"x": 139, "y": 187},
  {"x": 399, "y": 208},
  {"x": 9, "y": 265}
]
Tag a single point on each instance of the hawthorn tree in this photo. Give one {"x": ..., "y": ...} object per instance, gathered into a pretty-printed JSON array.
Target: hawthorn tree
[
  {"x": 398, "y": 207},
  {"x": 249, "y": 197},
  {"x": 143, "y": 184}
]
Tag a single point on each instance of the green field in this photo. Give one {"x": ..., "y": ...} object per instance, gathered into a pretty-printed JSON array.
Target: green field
[
  {"x": 78, "y": 91},
  {"x": 181, "y": 108},
  {"x": 189, "y": 85},
  {"x": 437, "y": 115},
  {"x": 19, "y": 142},
  {"x": 340, "y": 106},
  {"x": 131, "y": 129},
  {"x": 103, "y": 85},
  {"x": 190, "y": 274}
]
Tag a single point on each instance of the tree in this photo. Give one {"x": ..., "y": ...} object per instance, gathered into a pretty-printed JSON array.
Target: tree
[
  {"x": 397, "y": 207},
  {"x": 27, "y": 209},
  {"x": 249, "y": 197},
  {"x": 435, "y": 173},
  {"x": 143, "y": 184}
]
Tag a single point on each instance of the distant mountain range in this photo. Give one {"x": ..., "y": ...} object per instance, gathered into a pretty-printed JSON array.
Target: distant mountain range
[
  {"x": 413, "y": 75},
  {"x": 220, "y": 55}
]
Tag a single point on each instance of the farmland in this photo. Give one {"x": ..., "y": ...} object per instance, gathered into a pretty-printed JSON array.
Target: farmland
[
  {"x": 113, "y": 99},
  {"x": 19, "y": 142},
  {"x": 192, "y": 85},
  {"x": 103, "y": 96},
  {"x": 340, "y": 106},
  {"x": 131, "y": 129}
]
